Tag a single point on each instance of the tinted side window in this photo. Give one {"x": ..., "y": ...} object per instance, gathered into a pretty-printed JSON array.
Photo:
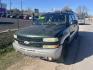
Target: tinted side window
[
  {"x": 74, "y": 17},
  {"x": 70, "y": 18}
]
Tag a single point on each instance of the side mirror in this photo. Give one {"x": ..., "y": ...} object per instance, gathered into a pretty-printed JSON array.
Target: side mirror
[{"x": 74, "y": 22}]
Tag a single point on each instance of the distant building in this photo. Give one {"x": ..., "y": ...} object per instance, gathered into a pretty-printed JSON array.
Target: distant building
[
  {"x": 36, "y": 10},
  {"x": 36, "y": 13},
  {"x": 3, "y": 7}
]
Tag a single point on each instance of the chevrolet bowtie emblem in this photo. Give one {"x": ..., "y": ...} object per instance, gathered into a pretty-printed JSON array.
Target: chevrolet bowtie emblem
[{"x": 26, "y": 42}]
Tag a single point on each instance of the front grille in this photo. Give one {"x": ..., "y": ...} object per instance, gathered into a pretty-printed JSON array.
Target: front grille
[
  {"x": 34, "y": 41},
  {"x": 31, "y": 45}
]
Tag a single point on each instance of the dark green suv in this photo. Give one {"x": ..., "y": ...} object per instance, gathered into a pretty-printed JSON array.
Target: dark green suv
[{"x": 47, "y": 35}]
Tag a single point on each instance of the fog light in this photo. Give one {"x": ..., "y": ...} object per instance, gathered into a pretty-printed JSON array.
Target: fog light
[
  {"x": 50, "y": 58},
  {"x": 50, "y": 46}
]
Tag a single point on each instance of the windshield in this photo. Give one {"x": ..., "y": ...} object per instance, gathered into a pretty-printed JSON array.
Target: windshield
[{"x": 50, "y": 19}]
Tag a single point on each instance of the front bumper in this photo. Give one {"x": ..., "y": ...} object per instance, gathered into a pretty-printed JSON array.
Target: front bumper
[{"x": 39, "y": 52}]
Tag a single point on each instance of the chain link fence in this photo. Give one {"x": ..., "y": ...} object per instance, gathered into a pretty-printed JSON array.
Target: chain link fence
[
  {"x": 88, "y": 20},
  {"x": 11, "y": 24},
  {"x": 8, "y": 27}
]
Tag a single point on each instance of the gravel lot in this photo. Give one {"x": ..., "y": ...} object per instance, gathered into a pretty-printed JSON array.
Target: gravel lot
[{"x": 80, "y": 55}]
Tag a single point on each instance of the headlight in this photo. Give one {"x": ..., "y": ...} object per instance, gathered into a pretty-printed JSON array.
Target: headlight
[
  {"x": 15, "y": 36},
  {"x": 50, "y": 39}
]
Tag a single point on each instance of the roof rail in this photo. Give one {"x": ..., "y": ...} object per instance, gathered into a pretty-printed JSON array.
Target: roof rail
[{"x": 65, "y": 11}]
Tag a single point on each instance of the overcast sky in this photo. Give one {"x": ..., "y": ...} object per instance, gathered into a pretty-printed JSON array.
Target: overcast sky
[{"x": 47, "y": 5}]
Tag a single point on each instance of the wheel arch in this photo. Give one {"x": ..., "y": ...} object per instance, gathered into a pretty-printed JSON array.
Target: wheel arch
[{"x": 64, "y": 37}]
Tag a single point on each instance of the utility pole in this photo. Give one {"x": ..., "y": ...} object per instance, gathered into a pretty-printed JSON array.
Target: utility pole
[
  {"x": 22, "y": 7},
  {"x": 0, "y": 1},
  {"x": 10, "y": 6}
]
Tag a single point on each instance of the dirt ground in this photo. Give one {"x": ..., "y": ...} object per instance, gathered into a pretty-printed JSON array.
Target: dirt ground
[{"x": 80, "y": 55}]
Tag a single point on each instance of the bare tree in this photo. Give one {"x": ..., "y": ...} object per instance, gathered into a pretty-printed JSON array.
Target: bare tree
[
  {"x": 67, "y": 8},
  {"x": 82, "y": 12}
]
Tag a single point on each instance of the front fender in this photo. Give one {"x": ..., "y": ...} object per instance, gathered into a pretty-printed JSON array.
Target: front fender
[{"x": 66, "y": 34}]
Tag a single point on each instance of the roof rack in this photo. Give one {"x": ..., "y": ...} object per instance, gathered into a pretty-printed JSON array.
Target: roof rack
[
  {"x": 58, "y": 11},
  {"x": 65, "y": 11}
]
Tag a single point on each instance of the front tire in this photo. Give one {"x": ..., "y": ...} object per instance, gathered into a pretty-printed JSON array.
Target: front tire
[
  {"x": 64, "y": 52},
  {"x": 77, "y": 35}
]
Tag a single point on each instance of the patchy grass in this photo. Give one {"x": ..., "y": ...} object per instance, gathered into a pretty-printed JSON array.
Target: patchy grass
[
  {"x": 6, "y": 38},
  {"x": 8, "y": 58},
  {"x": 6, "y": 50}
]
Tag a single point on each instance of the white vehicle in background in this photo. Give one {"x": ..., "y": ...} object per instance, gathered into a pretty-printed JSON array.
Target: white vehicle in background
[
  {"x": 81, "y": 20},
  {"x": 30, "y": 18}
]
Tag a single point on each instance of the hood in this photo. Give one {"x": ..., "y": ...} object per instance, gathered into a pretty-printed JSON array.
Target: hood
[{"x": 41, "y": 30}]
